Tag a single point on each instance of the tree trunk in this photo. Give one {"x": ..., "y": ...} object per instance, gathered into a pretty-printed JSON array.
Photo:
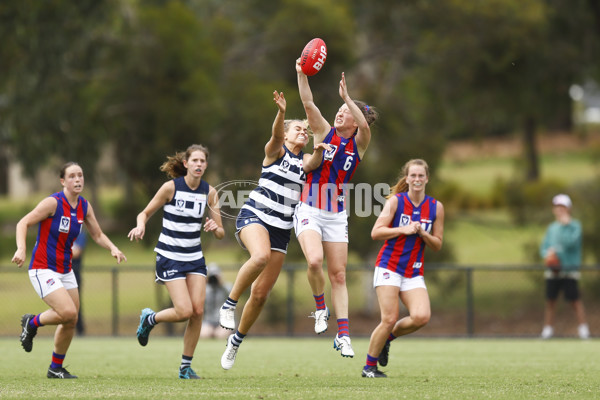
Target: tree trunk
[
  {"x": 4, "y": 170},
  {"x": 595, "y": 8},
  {"x": 532, "y": 171}
]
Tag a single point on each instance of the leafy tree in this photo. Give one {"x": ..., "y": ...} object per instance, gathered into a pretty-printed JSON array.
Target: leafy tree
[
  {"x": 50, "y": 56},
  {"x": 506, "y": 63},
  {"x": 162, "y": 94}
]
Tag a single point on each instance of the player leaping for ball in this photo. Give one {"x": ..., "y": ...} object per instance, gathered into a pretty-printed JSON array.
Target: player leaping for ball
[
  {"x": 320, "y": 220},
  {"x": 264, "y": 224}
]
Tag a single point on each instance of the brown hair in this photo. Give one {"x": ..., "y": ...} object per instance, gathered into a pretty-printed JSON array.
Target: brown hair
[
  {"x": 368, "y": 111},
  {"x": 174, "y": 167},
  {"x": 63, "y": 169},
  {"x": 401, "y": 185}
]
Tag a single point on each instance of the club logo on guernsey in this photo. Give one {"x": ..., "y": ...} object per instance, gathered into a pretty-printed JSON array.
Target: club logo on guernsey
[
  {"x": 65, "y": 224},
  {"x": 329, "y": 154},
  {"x": 285, "y": 166},
  {"x": 180, "y": 204},
  {"x": 405, "y": 220}
]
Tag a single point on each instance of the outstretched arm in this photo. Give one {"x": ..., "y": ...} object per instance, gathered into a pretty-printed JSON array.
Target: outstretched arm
[
  {"x": 274, "y": 146},
  {"x": 363, "y": 137},
  {"x": 319, "y": 125}
]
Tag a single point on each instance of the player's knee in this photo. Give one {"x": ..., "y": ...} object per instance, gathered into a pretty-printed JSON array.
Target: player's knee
[
  {"x": 388, "y": 321},
  {"x": 184, "y": 312},
  {"x": 338, "y": 278},
  {"x": 261, "y": 258},
  {"x": 68, "y": 316},
  {"x": 315, "y": 263},
  {"x": 198, "y": 313},
  {"x": 259, "y": 297},
  {"x": 420, "y": 319}
]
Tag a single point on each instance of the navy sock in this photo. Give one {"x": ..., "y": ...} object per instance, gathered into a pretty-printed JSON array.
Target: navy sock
[
  {"x": 185, "y": 361},
  {"x": 237, "y": 338},
  {"x": 151, "y": 320},
  {"x": 230, "y": 303}
]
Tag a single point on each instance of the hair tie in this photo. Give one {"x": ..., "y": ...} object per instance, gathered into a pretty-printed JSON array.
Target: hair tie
[{"x": 367, "y": 107}]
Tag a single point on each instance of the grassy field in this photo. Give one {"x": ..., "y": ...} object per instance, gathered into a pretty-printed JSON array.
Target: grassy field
[
  {"x": 478, "y": 175},
  {"x": 308, "y": 369}
]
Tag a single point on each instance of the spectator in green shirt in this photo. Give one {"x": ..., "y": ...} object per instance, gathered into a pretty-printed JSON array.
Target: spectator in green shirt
[{"x": 561, "y": 251}]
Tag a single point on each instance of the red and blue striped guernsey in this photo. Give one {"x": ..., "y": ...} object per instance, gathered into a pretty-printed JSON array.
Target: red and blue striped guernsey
[
  {"x": 56, "y": 235},
  {"x": 404, "y": 254},
  {"x": 324, "y": 188}
]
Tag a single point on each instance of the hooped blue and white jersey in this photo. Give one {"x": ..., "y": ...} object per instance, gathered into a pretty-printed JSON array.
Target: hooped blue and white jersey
[
  {"x": 179, "y": 239},
  {"x": 278, "y": 191}
]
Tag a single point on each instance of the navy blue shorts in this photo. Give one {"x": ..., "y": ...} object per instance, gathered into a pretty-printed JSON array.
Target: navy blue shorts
[
  {"x": 568, "y": 285},
  {"x": 280, "y": 238},
  {"x": 170, "y": 270}
]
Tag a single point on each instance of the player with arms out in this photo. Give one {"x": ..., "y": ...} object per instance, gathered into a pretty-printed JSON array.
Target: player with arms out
[
  {"x": 409, "y": 221},
  {"x": 180, "y": 263},
  {"x": 264, "y": 224},
  {"x": 320, "y": 220},
  {"x": 60, "y": 217}
]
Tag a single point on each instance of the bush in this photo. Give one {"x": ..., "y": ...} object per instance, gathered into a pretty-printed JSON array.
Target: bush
[{"x": 529, "y": 202}]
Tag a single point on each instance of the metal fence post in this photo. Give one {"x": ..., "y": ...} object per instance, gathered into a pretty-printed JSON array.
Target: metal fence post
[
  {"x": 470, "y": 302},
  {"x": 115, "y": 301}
]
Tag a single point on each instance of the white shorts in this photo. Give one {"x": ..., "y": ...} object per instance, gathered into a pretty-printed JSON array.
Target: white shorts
[
  {"x": 333, "y": 227},
  {"x": 385, "y": 277},
  {"x": 46, "y": 281}
]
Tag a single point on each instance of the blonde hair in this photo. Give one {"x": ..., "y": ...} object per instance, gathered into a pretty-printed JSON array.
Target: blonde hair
[
  {"x": 401, "y": 185},
  {"x": 288, "y": 122},
  {"x": 174, "y": 167}
]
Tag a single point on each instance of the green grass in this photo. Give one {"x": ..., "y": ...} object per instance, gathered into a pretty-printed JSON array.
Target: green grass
[
  {"x": 490, "y": 238},
  {"x": 275, "y": 368},
  {"x": 478, "y": 175}
]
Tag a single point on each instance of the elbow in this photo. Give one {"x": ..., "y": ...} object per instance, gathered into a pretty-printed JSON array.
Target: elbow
[
  {"x": 96, "y": 237},
  {"x": 308, "y": 104}
]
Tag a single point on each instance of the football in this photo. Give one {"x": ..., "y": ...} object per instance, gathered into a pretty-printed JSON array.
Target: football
[{"x": 313, "y": 56}]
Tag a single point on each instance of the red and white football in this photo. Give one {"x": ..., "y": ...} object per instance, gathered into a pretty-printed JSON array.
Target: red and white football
[{"x": 313, "y": 56}]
